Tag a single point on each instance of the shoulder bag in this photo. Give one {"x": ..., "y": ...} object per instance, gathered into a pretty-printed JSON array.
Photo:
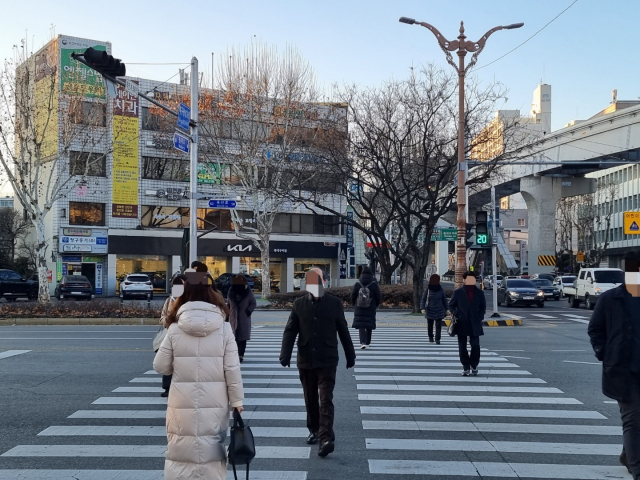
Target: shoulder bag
[
  {"x": 452, "y": 328},
  {"x": 242, "y": 448}
]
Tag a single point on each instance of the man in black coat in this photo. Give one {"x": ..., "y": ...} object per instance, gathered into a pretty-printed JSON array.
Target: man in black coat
[
  {"x": 614, "y": 330},
  {"x": 317, "y": 319},
  {"x": 468, "y": 305},
  {"x": 364, "y": 318}
]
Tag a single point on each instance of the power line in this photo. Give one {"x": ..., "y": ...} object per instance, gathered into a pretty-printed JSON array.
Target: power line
[{"x": 514, "y": 49}]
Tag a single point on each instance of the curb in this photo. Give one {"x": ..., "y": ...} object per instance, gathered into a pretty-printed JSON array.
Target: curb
[{"x": 79, "y": 321}]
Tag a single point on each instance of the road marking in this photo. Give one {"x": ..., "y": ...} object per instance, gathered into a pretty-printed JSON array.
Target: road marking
[
  {"x": 283, "y": 372},
  {"x": 484, "y": 446},
  {"x": 163, "y": 401},
  {"x": 521, "y": 358},
  {"x": 401, "y": 378},
  {"x": 542, "y": 315},
  {"x": 483, "y": 412},
  {"x": 586, "y": 363},
  {"x": 75, "y": 338},
  {"x": 495, "y": 469},
  {"x": 611, "y": 401},
  {"x": 275, "y": 390},
  {"x": 467, "y": 398},
  {"x": 492, "y": 427},
  {"x": 147, "y": 414},
  {"x": 575, "y": 318},
  {"x": 437, "y": 364},
  {"x": 507, "y": 350},
  {"x": 12, "y": 353},
  {"x": 568, "y": 350},
  {"x": 436, "y": 370},
  {"x": 133, "y": 451},
  {"x": 82, "y": 474},
  {"x": 457, "y": 388},
  {"x": 157, "y": 431}
]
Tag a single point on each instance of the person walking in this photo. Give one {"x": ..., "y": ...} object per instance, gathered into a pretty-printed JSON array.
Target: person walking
[
  {"x": 201, "y": 353},
  {"x": 177, "y": 289},
  {"x": 468, "y": 305},
  {"x": 242, "y": 303},
  {"x": 317, "y": 319},
  {"x": 614, "y": 331},
  {"x": 366, "y": 297},
  {"x": 433, "y": 305}
]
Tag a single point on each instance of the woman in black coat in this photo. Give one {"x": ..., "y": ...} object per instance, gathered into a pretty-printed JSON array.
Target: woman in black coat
[
  {"x": 242, "y": 303},
  {"x": 468, "y": 305},
  {"x": 434, "y": 306},
  {"x": 364, "y": 318}
]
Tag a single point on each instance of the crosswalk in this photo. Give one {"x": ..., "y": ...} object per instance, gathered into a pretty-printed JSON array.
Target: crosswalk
[
  {"x": 434, "y": 423},
  {"x": 553, "y": 316}
]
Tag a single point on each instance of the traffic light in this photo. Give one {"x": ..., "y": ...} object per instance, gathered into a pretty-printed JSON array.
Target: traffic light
[
  {"x": 482, "y": 228},
  {"x": 104, "y": 63}
]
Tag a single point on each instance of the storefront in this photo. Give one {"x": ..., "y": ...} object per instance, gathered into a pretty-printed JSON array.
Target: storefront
[
  {"x": 83, "y": 251},
  {"x": 155, "y": 266}
]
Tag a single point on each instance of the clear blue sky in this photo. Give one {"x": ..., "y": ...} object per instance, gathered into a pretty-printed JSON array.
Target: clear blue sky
[{"x": 584, "y": 54}]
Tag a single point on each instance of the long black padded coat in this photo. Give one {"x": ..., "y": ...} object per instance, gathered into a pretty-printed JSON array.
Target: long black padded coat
[
  {"x": 366, "y": 317},
  {"x": 470, "y": 315}
]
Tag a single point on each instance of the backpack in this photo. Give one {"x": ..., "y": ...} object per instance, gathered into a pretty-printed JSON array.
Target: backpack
[{"x": 364, "y": 296}]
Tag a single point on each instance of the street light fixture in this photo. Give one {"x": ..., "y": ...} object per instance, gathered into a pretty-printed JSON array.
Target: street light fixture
[{"x": 463, "y": 47}]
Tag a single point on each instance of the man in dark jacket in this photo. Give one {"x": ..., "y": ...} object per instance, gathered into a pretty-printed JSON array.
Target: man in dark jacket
[
  {"x": 614, "y": 330},
  {"x": 364, "y": 317},
  {"x": 468, "y": 305},
  {"x": 317, "y": 319}
]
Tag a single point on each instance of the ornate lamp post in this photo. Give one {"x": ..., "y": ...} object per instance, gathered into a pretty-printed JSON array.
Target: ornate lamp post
[{"x": 462, "y": 46}]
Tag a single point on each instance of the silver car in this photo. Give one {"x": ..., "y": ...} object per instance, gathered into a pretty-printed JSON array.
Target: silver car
[
  {"x": 136, "y": 285},
  {"x": 488, "y": 281}
]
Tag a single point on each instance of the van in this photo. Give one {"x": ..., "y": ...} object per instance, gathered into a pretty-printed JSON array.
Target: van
[{"x": 591, "y": 283}]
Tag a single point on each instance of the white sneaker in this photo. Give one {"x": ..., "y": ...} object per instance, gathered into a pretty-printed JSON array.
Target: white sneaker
[
  {"x": 365, "y": 346},
  {"x": 362, "y": 346}
]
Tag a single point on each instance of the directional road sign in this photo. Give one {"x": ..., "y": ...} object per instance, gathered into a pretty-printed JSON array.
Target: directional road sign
[
  {"x": 184, "y": 114},
  {"x": 222, "y": 203},
  {"x": 180, "y": 142}
]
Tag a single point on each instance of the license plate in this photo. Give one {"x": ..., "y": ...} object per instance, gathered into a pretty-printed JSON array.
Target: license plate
[
  {"x": 528, "y": 298},
  {"x": 76, "y": 293}
]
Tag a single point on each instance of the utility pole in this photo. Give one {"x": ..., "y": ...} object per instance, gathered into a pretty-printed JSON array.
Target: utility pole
[
  {"x": 494, "y": 253},
  {"x": 193, "y": 169}
]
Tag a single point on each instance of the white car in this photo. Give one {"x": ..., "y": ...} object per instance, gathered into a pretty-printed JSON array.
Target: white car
[
  {"x": 297, "y": 280},
  {"x": 591, "y": 283},
  {"x": 564, "y": 281},
  {"x": 136, "y": 285},
  {"x": 488, "y": 281}
]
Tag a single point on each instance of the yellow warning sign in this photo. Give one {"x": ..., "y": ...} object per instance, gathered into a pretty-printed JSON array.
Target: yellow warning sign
[
  {"x": 546, "y": 260},
  {"x": 632, "y": 223},
  {"x": 580, "y": 257}
]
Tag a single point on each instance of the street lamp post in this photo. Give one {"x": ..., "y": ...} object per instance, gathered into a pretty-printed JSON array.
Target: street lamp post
[{"x": 462, "y": 46}]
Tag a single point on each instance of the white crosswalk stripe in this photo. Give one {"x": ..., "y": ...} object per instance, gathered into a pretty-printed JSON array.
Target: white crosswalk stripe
[{"x": 408, "y": 398}]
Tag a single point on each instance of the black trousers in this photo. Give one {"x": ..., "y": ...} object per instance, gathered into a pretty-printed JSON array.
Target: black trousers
[
  {"x": 166, "y": 381},
  {"x": 318, "y": 385},
  {"x": 242, "y": 347},
  {"x": 466, "y": 360},
  {"x": 365, "y": 336},
  {"x": 630, "y": 412},
  {"x": 438, "y": 324}
]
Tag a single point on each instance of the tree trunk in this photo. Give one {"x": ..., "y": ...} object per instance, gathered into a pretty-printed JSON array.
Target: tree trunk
[
  {"x": 418, "y": 286},
  {"x": 43, "y": 292},
  {"x": 264, "y": 257},
  {"x": 385, "y": 276}
]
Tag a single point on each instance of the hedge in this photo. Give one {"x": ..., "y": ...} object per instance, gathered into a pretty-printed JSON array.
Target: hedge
[{"x": 92, "y": 309}]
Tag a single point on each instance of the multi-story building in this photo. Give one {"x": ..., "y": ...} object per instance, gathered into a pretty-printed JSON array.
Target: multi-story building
[
  {"x": 6, "y": 202},
  {"x": 128, "y": 213},
  {"x": 515, "y": 231}
]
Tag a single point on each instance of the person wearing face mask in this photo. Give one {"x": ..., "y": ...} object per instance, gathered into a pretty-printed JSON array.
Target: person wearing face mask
[
  {"x": 468, "y": 305},
  {"x": 242, "y": 303},
  {"x": 177, "y": 288},
  {"x": 614, "y": 330},
  {"x": 317, "y": 320}
]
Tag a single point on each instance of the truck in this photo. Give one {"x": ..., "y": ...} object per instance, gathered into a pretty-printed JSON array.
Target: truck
[{"x": 590, "y": 284}]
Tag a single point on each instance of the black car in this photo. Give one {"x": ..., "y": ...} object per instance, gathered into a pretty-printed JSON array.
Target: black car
[
  {"x": 13, "y": 285},
  {"x": 520, "y": 292},
  {"x": 74, "y": 286},
  {"x": 549, "y": 290},
  {"x": 223, "y": 282}
]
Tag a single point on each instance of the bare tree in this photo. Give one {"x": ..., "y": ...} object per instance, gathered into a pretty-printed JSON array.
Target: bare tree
[
  {"x": 401, "y": 159},
  {"x": 13, "y": 229},
  {"x": 49, "y": 141}
]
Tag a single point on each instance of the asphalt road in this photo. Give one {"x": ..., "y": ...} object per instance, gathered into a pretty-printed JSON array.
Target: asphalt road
[{"x": 535, "y": 410}]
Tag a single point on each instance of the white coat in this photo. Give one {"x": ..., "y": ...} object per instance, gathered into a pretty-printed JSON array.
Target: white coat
[{"x": 201, "y": 353}]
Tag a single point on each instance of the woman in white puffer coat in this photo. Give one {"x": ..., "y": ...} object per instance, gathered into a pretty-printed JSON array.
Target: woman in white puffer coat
[{"x": 201, "y": 353}]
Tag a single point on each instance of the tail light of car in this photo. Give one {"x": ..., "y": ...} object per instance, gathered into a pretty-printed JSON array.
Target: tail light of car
[
  {"x": 127, "y": 283},
  {"x": 87, "y": 285},
  {"x": 148, "y": 283}
]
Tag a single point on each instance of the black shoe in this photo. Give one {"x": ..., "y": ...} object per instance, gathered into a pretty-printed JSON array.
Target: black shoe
[
  {"x": 430, "y": 340},
  {"x": 623, "y": 461},
  {"x": 326, "y": 448},
  {"x": 165, "y": 393},
  {"x": 312, "y": 439},
  {"x": 241, "y": 358},
  {"x": 437, "y": 342}
]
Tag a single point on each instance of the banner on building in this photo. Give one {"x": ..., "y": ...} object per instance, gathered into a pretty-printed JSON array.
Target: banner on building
[
  {"x": 75, "y": 77},
  {"x": 46, "y": 98},
  {"x": 126, "y": 169}
]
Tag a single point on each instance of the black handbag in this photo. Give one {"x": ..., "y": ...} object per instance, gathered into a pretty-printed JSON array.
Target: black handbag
[{"x": 242, "y": 447}]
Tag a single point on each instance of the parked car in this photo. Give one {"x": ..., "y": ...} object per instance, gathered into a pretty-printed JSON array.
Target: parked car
[
  {"x": 547, "y": 287},
  {"x": 519, "y": 292},
  {"x": 297, "y": 280},
  {"x": 74, "y": 286},
  {"x": 136, "y": 285},
  {"x": 488, "y": 281},
  {"x": 158, "y": 280},
  {"x": 591, "y": 283},
  {"x": 546, "y": 276},
  {"x": 564, "y": 281},
  {"x": 223, "y": 282},
  {"x": 13, "y": 285}
]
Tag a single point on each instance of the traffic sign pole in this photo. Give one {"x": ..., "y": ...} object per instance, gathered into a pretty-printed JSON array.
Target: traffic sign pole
[
  {"x": 193, "y": 184},
  {"x": 494, "y": 254}
]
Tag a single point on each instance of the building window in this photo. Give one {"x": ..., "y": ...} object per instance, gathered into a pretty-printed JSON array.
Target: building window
[
  {"x": 158, "y": 168},
  {"x": 88, "y": 113},
  {"x": 81, "y": 213},
  {"x": 156, "y": 123},
  {"x": 88, "y": 163},
  {"x": 521, "y": 222}
]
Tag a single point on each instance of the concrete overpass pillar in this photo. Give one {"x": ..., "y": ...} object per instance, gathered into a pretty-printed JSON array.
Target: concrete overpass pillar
[{"x": 542, "y": 195}]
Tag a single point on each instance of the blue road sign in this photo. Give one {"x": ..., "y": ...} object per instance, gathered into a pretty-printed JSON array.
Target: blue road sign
[
  {"x": 222, "y": 203},
  {"x": 180, "y": 142},
  {"x": 184, "y": 115}
]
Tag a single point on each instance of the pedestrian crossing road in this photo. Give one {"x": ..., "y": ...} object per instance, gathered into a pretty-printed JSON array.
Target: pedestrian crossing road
[{"x": 404, "y": 410}]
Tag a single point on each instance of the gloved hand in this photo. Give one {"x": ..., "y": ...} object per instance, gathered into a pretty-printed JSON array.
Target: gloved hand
[
  {"x": 351, "y": 363},
  {"x": 285, "y": 363}
]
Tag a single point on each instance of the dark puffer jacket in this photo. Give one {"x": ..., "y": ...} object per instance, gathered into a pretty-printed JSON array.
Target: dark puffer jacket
[
  {"x": 366, "y": 317},
  {"x": 437, "y": 305},
  {"x": 470, "y": 315}
]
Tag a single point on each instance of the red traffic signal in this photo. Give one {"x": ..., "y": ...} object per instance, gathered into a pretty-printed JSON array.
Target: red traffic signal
[{"x": 104, "y": 63}]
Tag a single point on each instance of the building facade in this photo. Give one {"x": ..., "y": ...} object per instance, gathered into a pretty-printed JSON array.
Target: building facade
[{"x": 6, "y": 202}]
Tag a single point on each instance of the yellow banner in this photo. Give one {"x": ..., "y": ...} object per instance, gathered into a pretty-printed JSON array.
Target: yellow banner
[
  {"x": 46, "y": 115},
  {"x": 125, "y": 166}
]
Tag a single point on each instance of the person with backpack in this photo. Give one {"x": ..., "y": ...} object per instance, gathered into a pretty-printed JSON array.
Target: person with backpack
[
  {"x": 366, "y": 297},
  {"x": 433, "y": 305}
]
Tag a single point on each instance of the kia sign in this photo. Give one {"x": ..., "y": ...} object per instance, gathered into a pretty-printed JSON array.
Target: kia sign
[{"x": 238, "y": 248}]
